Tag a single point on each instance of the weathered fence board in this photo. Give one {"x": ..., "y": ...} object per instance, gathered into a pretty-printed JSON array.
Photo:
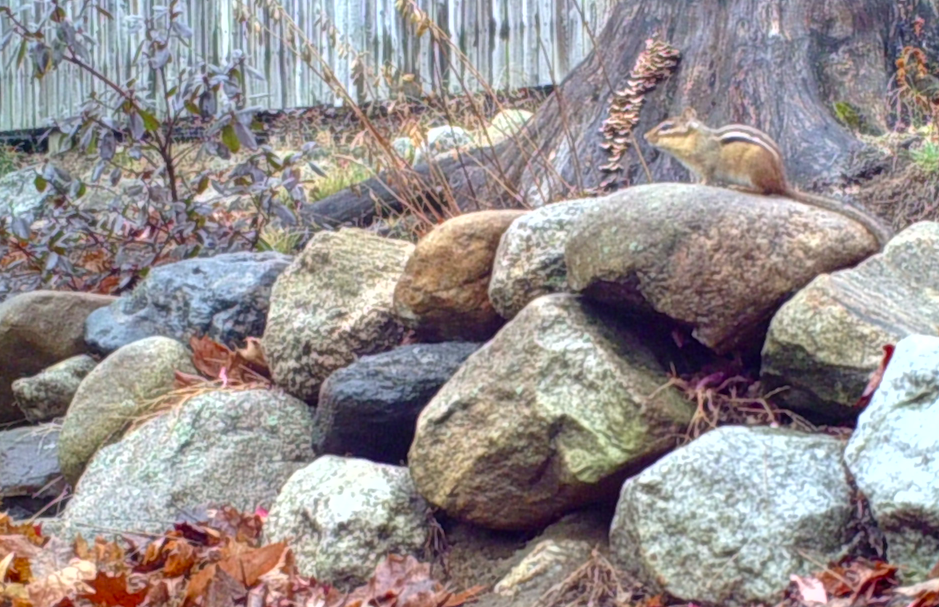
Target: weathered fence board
[{"x": 512, "y": 43}]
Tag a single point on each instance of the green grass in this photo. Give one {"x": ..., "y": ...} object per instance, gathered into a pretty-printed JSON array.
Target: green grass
[
  {"x": 926, "y": 156},
  {"x": 281, "y": 240},
  {"x": 339, "y": 178}
]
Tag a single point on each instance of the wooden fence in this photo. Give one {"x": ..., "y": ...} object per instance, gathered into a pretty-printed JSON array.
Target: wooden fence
[{"x": 511, "y": 43}]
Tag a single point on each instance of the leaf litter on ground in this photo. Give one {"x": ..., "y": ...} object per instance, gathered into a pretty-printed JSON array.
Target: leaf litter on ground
[{"x": 212, "y": 558}]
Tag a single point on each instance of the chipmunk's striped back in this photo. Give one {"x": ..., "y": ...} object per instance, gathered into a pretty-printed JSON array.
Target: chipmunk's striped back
[
  {"x": 739, "y": 133},
  {"x": 745, "y": 158}
]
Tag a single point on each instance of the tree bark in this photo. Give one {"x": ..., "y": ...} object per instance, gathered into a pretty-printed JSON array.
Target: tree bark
[{"x": 778, "y": 65}]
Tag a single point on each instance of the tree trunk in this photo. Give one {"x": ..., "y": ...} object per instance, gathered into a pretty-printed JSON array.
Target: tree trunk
[{"x": 780, "y": 65}]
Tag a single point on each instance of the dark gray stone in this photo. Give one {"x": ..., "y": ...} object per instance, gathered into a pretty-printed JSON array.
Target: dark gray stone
[
  {"x": 225, "y": 297},
  {"x": 369, "y": 409},
  {"x": 29, "y": 462}
]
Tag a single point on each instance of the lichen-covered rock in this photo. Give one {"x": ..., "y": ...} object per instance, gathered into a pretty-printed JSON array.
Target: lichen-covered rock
[
  {"x": 892, "y": 455},
  {"x": 49, "y": 393},
  {"x": 728, "y": 518},
  {"x": 333, "y": 304},
  {"x": 404, "y": 148},
  {"x": 714, "y": 259},
  {"x": 233, "y": 448},
  {"x": 442, "y": 139},
  {"x": 530, "y": 261},
  {"x": 552, "y": 413},
  {"x": 37, "y": 330},
  {"x": 224, "y": 297},
  {"x": 120, "y": 389},
  {"x": 553, "y": 555},
  {"x": 369, "y": 408},
  {"x": 444, "y": 292},
  {"x": 824, "y": 343},
  {"x": 28, "y": 462},
  {"x": 505, "y": 124},
  {"x": 341, "y": 516},
  {"x": 19, "y": 196}
]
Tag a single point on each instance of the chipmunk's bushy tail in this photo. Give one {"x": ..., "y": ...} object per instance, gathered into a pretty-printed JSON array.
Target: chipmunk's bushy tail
[{"x": 878, "y": 230}]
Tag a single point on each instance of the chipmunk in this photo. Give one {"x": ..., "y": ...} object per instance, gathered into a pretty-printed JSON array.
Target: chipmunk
[{"x": 743, "y": 158}]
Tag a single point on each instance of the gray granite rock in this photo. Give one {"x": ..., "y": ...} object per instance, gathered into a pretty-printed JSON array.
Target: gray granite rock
[
  {"x": 333, "y": 304},
  {"x": 530, "y": 260},
  {"x": 728, "y": 518},
  {"x": 115, "y": 393},
  {"x": 49, "y": 393},
  {"x": 233, "y": 448},
  {"x": 552, "y": 413},
  {"x": 341, "y": 516},
  {"x": 892, "y": 455},
  {"x": 824, "y": 343}
]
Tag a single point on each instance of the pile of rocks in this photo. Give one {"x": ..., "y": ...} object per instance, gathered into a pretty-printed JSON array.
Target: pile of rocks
[{"x": 508, "y": 372}]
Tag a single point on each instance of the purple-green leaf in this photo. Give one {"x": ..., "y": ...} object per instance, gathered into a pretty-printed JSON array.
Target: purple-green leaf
[{"x": 230, "y": 138}]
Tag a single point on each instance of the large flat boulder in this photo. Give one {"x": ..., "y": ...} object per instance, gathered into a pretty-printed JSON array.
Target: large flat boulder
[{"x": 716, "y": 260}]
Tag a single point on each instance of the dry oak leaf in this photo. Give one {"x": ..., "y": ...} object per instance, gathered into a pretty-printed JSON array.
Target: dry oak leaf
[
  {"x": 180, "y": 557},
  {"x": 248, "y": 567},
  {"x": 229, "y": 578}
]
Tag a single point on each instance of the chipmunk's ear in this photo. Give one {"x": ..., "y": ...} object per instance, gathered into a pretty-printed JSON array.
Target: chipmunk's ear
[{"x": 689, "y": 114}]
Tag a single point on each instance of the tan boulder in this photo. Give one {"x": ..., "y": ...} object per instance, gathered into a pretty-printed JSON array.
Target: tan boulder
[
  {"x": 37, "y": 330},
  {"x": 444, "y": 292},
  {"x": 552, "y": 413}
]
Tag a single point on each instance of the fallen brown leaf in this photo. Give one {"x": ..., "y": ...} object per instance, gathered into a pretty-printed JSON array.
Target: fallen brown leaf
[
  {"x": 112, "y": 591},
  {"x": 223, "y": 590},
  {"x": 180, "y": 557},
  {"x": 239, "y": 367},
  {"x": 466, "y": 596},
  {"x": 16, "y": 554},
  {"x": 248, "y": 567},
  {"x": 25, "y": 530},
  {"x": 876, "y": 377},
  {"x": 198, "y": 584}
]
